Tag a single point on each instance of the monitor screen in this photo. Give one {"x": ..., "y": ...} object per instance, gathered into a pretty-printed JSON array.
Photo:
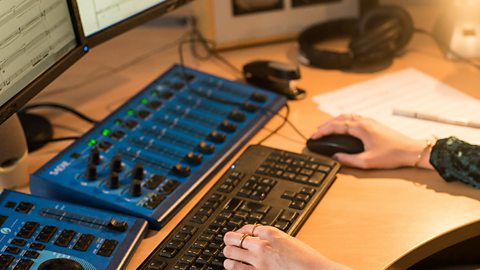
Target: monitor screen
[
  {"x": 98, "y": 15},
  {"x": 104, "y": 19},
  {"x": 35, "y": 35}
]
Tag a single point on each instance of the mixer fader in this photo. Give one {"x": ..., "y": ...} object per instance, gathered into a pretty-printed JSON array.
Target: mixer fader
[{"x": 151, "y": 154}]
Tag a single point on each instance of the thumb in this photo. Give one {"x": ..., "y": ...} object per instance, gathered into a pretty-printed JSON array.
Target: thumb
[{"x": 350, "y": 160}]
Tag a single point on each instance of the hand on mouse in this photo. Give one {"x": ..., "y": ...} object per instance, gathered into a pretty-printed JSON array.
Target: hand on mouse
[
  {"x": 268, "y": 248},
  {"x": 384, "y": 148}
]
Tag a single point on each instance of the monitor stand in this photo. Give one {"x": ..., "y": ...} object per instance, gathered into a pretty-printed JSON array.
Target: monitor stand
[
  {"x": 37, "y": 129},
  {"x": 13, "y": 154}
]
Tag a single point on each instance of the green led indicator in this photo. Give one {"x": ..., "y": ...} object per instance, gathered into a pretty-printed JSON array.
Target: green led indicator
[
  {"x": 144, "y": 101},
  {"x": 131, "y": 112},
  {"x": 92, "y": 142},
  {"x": 118, "y": 122},
  {"x": 105, "y": 132},
  {"x": 154, "y": 93}
]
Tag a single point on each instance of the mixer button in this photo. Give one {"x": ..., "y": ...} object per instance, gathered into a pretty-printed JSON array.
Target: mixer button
[
  {"x": 65, "y": 237},
  {"x": 181, "y": 170},
  {"x": 135, "y": 189},
  {"x": 178, "y": 86},
  {"x": 130, "y": 124},
  {"x": 91, "y": 172},
  {"x": 31, "y": 254},
  {"x": 169, "y": 186},
  {"x": 154, "y": 104},
  {"x": 113, "y": 181},
  {"x": 116, "y": 164},
  {"x": 228, "y": 126},
  {"x": 154, "y": 181},
  {"x": 12, "y": 250},
  {"x": 119, "y": 226},
  {"x": 23, "y": 264},
  {"x": 237, "y": 116},
  {"x": 249, "y": 107},
  {"x": 138, "y": 172},
  {"x": 117, "y": 135},
  {"x": 142, "y": 114},
  {"x": 217, "y": 137},
  {"x": 37, "y": 246},
  {"x": 28, "y": 229},
  {"x": 94, "y": 157},
  {"x": 193, "y": 158},
  {"x": 206, "y": 148},
  {"x": 46, "y": 234},
  {"x": 165, "y": 94},
  {"x": 18, "y": 242},
  {"x": 24, "y": 207},
  {"x": 105, "y": 145},
  {"x": 84, "y": 242},
  {"x": 107, "y": 248},
  {"x": 258, "y": 97},
  {"x": 6, "y": 260}
]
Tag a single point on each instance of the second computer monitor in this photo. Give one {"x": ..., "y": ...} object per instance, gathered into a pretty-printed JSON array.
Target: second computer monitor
[{"x": 104, "y": 19}]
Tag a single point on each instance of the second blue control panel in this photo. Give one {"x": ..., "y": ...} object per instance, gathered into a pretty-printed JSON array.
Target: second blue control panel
[{"x": 152, "y": 153}]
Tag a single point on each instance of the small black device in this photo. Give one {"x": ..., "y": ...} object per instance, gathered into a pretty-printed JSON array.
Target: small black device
[
  {"x": 377, "y": 37},
  {"x": 265, "y": 186},
  {"x": 274, "y": 76},
  {"x": 335, "y": 143}
]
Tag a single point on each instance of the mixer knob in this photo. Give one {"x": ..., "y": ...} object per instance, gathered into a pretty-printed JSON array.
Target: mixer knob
[
  {"x": 249, "y": 107},
  {"x": 113, "y": 181},
  {"x": 119, "y": 226},
  {"x": 94, "y": 157},
  {"x": 138, "y": 172},
  {"x": 237, "y": 116},
  {"x": 258, "y": 97},
  {"x": 135, "y": 189},
  {"x": 228, "y": 126},
  {"x": 116, "y": 164},
  {"x": 91, "y": 172},
  {"x": 206, "y": 148},
  {"x": 181, "y": 170},
  {"x": 217, "y": 137},
  {"x": 193, "y": 158}
]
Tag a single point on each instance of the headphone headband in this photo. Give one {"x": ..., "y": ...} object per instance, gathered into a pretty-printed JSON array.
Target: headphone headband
[{"x": 376, "y": 38}]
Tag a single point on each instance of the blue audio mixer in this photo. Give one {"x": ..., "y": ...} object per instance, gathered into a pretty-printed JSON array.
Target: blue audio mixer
[
  {"x": 152, "y": 153},
  {"x": 38, "y": 233}
]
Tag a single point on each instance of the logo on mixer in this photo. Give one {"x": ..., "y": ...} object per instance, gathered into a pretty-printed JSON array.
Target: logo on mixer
[
  {"x": 5, "y": 230},
  {"x": 60, "y": 168}
]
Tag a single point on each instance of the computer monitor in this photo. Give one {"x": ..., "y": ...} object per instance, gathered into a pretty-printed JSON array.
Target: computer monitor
[
  {"x": 104, "y": 19},
  {"x": 39, "y": 39}
]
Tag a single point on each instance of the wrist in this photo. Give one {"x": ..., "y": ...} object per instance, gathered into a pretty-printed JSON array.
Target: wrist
[{"x": 421, "y": 156}]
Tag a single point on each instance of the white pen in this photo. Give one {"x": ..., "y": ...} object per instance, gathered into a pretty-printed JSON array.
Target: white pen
[{"x": 436, "y": 118}]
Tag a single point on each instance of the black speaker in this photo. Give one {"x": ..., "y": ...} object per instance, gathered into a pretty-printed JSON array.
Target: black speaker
[{"x": 377, "y": 37}]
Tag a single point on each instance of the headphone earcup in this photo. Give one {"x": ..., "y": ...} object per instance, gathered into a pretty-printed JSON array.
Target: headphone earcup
[{"x": 387, "y": 28}]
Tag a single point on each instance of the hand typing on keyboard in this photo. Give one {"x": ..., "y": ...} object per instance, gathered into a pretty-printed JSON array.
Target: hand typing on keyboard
[{"x": 268, "y": 248}]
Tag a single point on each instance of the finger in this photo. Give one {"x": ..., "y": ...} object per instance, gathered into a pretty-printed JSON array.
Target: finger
[
  {"x": 335, "y": 127},
  {"x": 234, "y": 239},
  {"x": 238, "y": 254},
  {"x": 231, "y": 264},
  {"x": 249, "y": 229},
  {"x": 356, "y": 160}
]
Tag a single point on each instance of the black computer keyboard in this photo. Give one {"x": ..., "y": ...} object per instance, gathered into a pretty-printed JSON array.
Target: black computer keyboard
[{"x": 265, "y": 186}]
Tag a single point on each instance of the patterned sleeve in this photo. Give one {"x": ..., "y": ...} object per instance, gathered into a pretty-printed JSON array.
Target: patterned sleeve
[{"x": 455, "y": 160}]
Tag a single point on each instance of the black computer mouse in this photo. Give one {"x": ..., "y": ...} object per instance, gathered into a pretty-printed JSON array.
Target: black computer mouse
[{"x": 334, "y": 143}]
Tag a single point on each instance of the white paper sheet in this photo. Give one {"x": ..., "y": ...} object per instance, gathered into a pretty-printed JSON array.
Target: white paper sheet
[{"x": 411, "y": 90}]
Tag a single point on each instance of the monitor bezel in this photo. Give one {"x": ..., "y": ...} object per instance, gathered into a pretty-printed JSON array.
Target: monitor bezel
[
  {"x": 14, "y": 104},
  {"x": 134, "y": 21}
]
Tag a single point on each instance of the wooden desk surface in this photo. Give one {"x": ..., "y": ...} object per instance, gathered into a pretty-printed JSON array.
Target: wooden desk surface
[{"x": 366, "y": 220}]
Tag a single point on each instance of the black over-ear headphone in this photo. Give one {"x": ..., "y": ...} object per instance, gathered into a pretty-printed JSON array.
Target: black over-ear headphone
[{"x": 377, "y": 37}]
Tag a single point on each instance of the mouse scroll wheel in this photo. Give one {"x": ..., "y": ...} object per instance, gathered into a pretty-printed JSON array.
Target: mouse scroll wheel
[{"x": 283, "y": 71}]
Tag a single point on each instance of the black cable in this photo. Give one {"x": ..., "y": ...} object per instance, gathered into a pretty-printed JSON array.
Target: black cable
[
  {"x": 209, "y": 46},
  {"x": 61, "y": 107},
  {"x": 285, "y": 120},
  {"x": 444, "y": 46}
]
